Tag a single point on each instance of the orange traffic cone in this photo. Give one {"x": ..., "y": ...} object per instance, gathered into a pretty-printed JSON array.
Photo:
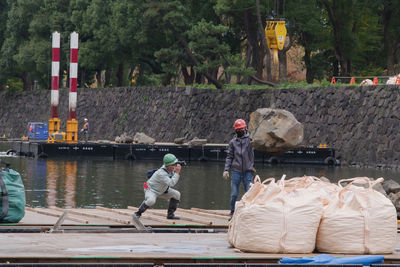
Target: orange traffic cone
[
  {"x": 333, "y": 81},
  {"x": 352, "y": 80},
  {"x": 375, "y": 81},
  {"x": 397, "y": 80}
]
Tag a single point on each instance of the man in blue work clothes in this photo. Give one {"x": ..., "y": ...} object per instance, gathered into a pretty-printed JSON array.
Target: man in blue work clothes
[
  {"x": 240, "y": 160},
  {"x": 159, "y": 185}
]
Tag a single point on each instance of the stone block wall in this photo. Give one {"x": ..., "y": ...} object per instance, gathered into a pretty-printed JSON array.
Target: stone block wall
[{"x": 362, "y": 123}]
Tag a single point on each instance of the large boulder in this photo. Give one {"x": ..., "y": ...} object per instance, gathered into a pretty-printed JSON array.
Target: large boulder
[
  {"x": 124, "y": 138},
  {"x": 142, "y": 138},
  {"x": 197, "y": 142},
  {"x": 274, "y": 130},
  {"x": 391, "y": 186},
  {"x": 179, "y": 140}
]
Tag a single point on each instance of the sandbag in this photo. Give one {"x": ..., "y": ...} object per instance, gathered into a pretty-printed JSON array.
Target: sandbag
[
  {"x": 359, "y": 221},
  {"x": 12, "y": 196},
  {"x": 268, "y": 219}
]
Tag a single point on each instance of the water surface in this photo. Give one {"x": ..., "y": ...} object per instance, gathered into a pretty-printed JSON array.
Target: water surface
[{"x": 90, "y": 182}]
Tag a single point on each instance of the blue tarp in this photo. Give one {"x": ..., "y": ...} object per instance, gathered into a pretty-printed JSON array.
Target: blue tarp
[{"x": 328, "y": 259}]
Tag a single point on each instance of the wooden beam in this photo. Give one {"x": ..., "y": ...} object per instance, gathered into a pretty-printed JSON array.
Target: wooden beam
[
  {"x": 56, "y": 215},
  {"x": 153, "y": 218},
  {"x": 218, "y": 212},
  {"x": 199, "y": 213},
  {"x": 144, "y": 216},
  {"x": 182, "y": 217},
  {"x": 84, "y": 214}
]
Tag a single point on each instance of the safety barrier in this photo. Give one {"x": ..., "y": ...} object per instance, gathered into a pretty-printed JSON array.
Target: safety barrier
[{"x": 352, "y": 79}]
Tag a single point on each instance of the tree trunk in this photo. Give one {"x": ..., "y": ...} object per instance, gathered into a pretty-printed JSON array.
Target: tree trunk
[
  {"x": 26, "y": 81},
  {"x": 120, "y": 75},
  {"x": 282, "y": 66},
  {"x": 283, "y": 60},
  {"x": 107, "y": 78},
  {"x": 257, "y": 47},
  {"x": 187, "y": 78},
  {"x": 387, "y": 38},
  {"x": 307, "y": 62},
  {"x": 199, "y": 78},
  {"x": 130, "y": 75},
  {"x": 98, "y": 78},
  {"x": 344, "y": 63},
  {"x": 264, "y": 41}
]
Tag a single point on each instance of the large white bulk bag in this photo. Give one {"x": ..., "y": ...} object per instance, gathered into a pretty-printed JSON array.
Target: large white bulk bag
[
  {"x": 327, "y": 191},
  {"x": 274, "y": 220},
  {"x": 360, "y": 221},
  {"x": 248, "y": 198}
]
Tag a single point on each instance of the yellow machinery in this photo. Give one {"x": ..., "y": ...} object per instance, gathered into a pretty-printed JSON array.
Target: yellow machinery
[
  {"x": 54, "y": 125},
  {"x": 54, "y": 131},
  {"x": 275, "y": 32},
  {"x": 71, "y": 136},
  {"x": 56, "y": 137},
  {"x": 72, "y": 131}
]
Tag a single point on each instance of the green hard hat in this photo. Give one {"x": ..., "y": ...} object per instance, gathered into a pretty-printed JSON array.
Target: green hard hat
[{"x": 169, "y": 159}]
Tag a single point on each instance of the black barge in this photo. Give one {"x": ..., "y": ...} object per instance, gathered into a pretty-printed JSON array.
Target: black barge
[{"x": 208, "y": 152}]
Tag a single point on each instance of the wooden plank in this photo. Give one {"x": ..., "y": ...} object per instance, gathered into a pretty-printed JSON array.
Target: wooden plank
[
  {"x": 84, "y": 214},
  {"x": 199, "y": 213},
  {"x": 182, "y": 217},
  {"x": 223, "y": 213},
  {"x": 56, "y": 215},
  {"x": 144, "y": 216}
]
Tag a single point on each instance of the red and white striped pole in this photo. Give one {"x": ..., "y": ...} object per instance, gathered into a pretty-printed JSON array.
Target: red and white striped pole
[
  {"x": 55, "y": 70},
  {"x": 73, "y": 75}
]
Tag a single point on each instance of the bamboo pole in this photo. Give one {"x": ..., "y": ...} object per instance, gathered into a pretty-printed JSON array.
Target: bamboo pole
[{"x": 56, "y": 215}]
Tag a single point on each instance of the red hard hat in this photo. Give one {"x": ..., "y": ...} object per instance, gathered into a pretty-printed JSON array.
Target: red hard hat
[{"x": 239, "y": 124}]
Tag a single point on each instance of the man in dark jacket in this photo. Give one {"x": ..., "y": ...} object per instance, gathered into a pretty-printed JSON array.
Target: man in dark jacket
[{"x": 240, "y": 160}]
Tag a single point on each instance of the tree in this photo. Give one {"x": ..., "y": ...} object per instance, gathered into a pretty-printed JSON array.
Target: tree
[
  {"x": 16, "y": 41},
  {"x": 172, "y": 15},
  {"x": 390, "y": 12},
  {"x": 3, "y": 18},
  {"x": 306, "y": 25}
]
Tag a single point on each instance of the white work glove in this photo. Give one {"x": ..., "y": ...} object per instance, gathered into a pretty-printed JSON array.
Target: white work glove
[{"x": 225, "y": 175}]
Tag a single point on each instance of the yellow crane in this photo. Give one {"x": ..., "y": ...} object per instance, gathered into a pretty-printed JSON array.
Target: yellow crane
[{"x": 275, "y": 33}]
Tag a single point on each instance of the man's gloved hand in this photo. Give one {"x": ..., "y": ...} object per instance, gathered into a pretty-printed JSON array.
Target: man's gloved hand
[{"x": 225, "y": 175}]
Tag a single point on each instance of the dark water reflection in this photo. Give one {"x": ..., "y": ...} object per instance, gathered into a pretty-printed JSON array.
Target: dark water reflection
[{"x": 83, "y": 182}]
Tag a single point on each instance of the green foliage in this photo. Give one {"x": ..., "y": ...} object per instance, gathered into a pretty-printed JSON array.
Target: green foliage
[
  {"x": 169, "y": 42},
  {"x": 207, "y": 46},
  {"x": 13, "y": 85}
]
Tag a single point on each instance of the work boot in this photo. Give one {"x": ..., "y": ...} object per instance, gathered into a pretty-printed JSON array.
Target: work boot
[
  {"x": 173, "y": 205},
  {"x": 143, "y": 207}
]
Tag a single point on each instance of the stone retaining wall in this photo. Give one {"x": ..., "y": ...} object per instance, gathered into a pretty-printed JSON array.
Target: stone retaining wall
[{"x": 362, "y": 123}]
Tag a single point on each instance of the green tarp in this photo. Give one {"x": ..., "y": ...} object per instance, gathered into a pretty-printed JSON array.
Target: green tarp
[{"x": 12, "y": 196}]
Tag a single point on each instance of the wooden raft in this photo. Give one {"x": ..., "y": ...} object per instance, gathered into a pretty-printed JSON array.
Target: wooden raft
[{"x": 122, "y": 217}]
